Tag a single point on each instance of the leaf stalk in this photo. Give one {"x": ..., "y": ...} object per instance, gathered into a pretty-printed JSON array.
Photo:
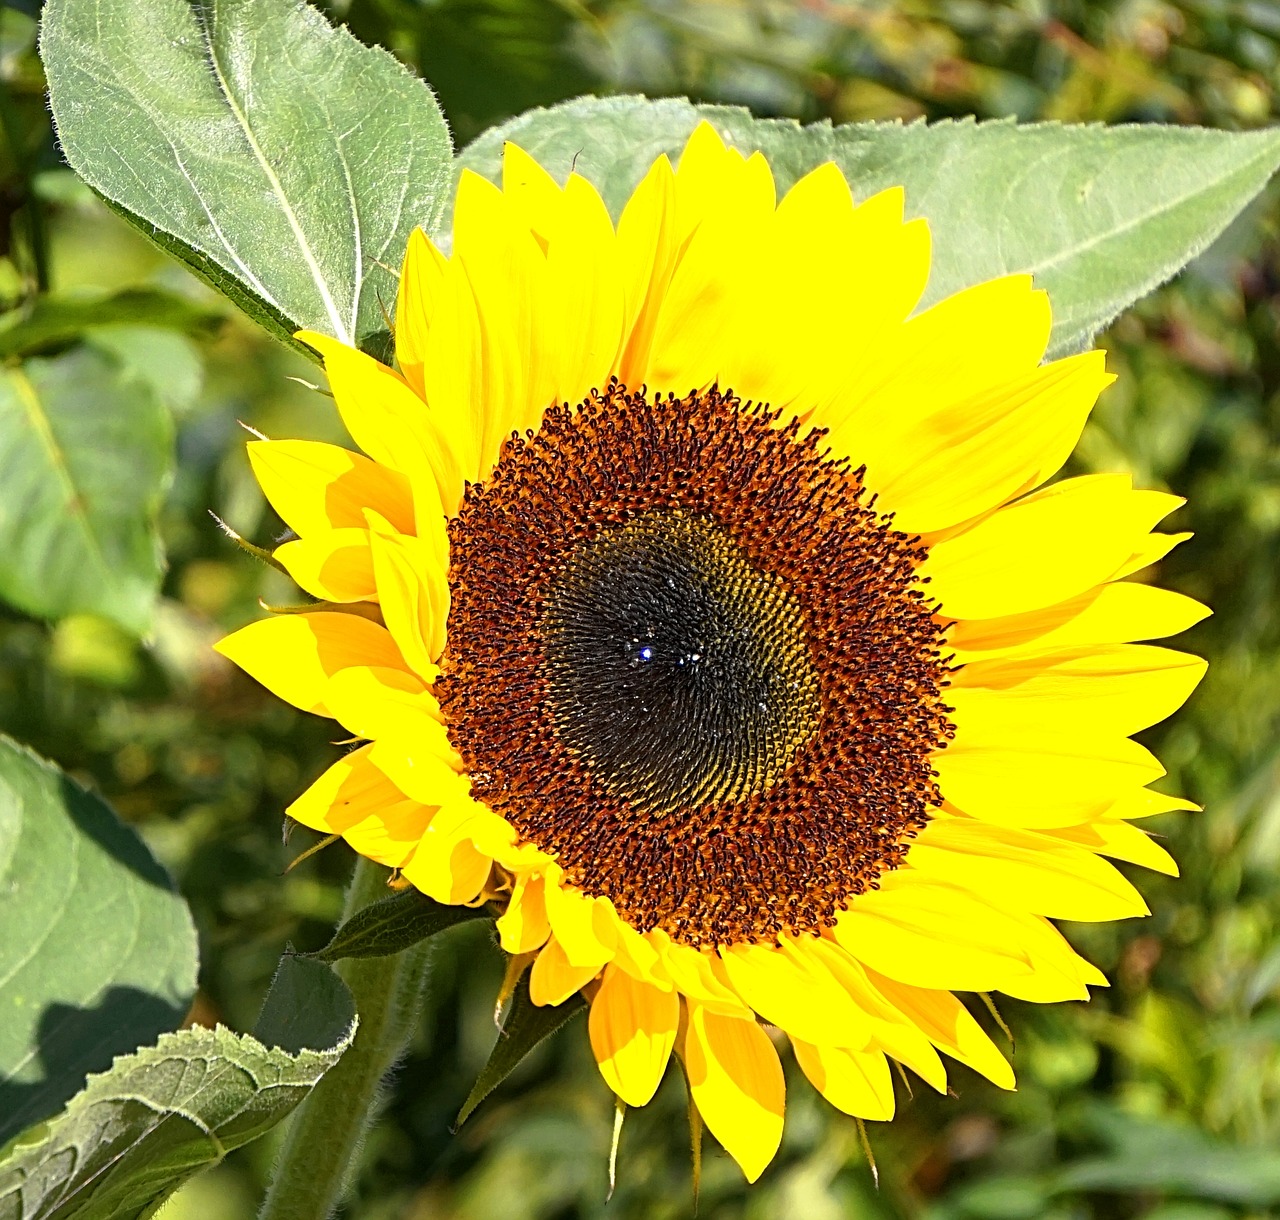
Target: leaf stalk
[{"x": 322, "y": 1143}]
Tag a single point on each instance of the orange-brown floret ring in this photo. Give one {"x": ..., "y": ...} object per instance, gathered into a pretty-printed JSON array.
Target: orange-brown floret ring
[{"x": 737, "y": 503}]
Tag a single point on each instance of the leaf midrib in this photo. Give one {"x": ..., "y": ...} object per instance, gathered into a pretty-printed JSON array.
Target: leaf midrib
[
  {"x": 1143, "y": 218},
  {"x": 277, "y": 187}
]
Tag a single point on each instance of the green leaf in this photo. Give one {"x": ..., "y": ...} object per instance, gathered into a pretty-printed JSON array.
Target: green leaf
[
  {"x": 308, "y": 1007},
  {"x": 1099, "y": 215},
  {"x": 280, "y": 159},
  {"x": 163, "y": 359},
  {"x": 51, "y": 321},
  {"x": 1157, "y": 1155},
  {"x": 98, "y": 953},
  {"x": 526, "y": 1025},
  {"x": 160, "y": 1116},
  {"x": 86, "y": 452},
  {"x": 392, "y": 924}
]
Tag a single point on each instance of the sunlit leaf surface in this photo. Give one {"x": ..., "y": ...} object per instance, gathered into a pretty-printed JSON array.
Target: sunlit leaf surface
[{"x": 274, "y": 154}]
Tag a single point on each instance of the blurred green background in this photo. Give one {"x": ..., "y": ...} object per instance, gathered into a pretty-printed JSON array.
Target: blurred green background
[{"x": 1159, "y": 1099}]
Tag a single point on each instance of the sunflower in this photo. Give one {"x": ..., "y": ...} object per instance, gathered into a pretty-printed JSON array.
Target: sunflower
[{"x": 698, "y": 601}]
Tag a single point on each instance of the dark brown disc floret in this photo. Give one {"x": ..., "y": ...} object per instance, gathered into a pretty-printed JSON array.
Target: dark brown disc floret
[{"x": 687, "y": 657}]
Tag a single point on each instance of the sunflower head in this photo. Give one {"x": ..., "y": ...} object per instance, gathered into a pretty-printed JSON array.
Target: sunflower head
[{"x": 703, "y": 605}]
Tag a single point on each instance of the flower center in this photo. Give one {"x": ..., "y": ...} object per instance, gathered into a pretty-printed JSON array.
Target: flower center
[
  {"x": 676, "y": 670},
  {"x": 689, "y": 659}
]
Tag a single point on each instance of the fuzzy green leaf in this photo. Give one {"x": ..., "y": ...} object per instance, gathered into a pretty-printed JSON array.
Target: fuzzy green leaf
[
  {"x": 160, "y": 1116},
  {"x": 393, "y": 924},
  {"x": 280, "y": 159},
  {"x": 98, "y": 953},
  {"x": 1099, "y": 215},
  {"x": 527, "y": 1024},
  {"x": 86, "y": 452}
]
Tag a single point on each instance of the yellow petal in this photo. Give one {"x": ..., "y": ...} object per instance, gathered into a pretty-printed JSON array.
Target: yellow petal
[
  {"x": 949, "y": 1026},
  {"x": 552, "y": 979},
  {"x": 532, "y": 191},
  {"x": 1059, "y": 974},
  {"x": 1026, "y": 870},
  {"x": 390, "y": 838},
  {"x": 354, "y": 799},
  {"x": 453, "y": 371},
  {"x": 855, "y": 1082},
  {"x": 333, "y": 564},
  {"x": 413, "y": 591},
  {"x": 1111, "y": 688},
  {"x": 376, "y": 702},
  {"x": 1144, "y": 803},
  {"x": 876, "y": 264},
  {"x": 420, "y": 277},
  {"x": 1147, "y": 551},
  {"x": 647, "y": 252},
  {"x": 932, "y": 934},
  {"x": 830, "y": 279},
  {"x": 639, "y": 956},
  {"x": 521, "y": 857},
  {"x": 585, "y": 927},
  {"x": 448, "y": 865},
  {"x": 584, "y": 292},
  {"x": 507, "y": 270},
  {"x": 523, "y": 926},
  {"x": 294, "y": 655},
  {"x": 1108, "y": 614},
  {"x": 386, "y": 418},
  {"x": 961, "y": 459},
  {"x": 632, "y": 1027},
  {"x": 890, "y": 1030},
  {"x": 421, "y": 763},
  {"x": 705, "y": 168},
  {"x": 316, "y": 487},
  {"x": 1122, "y": 842},
  {"x": 736, "y": 1082},
  {"x": 703, "y": 321},
  {"x": 352, "y": 788},
  {"x": 794, "y": 990},
  {"x": 999, "y": 773},
  {"x": 1043, "y": 549},
  {"x": 960, "y": 347},
  {"x": 691, "y": 971}
]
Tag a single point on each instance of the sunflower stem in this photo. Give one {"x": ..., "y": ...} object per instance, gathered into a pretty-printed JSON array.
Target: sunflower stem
[{"x": 322, "y": 1143}]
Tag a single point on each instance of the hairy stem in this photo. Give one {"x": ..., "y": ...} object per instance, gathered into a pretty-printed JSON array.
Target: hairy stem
[{"x": 323, "y": 1140}]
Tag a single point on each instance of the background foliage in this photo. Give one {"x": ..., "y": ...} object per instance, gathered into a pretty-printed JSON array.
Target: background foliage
[{"x": 1160, "y": 1099}]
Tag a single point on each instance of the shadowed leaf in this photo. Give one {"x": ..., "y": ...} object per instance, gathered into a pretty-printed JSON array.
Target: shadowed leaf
[
  {"x": 308, "y": 1007},
  {"x": 98, "y": 952}
]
